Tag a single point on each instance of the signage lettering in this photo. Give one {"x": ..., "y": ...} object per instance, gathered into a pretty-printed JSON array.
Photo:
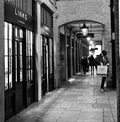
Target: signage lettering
[{"x": 21, "y": 14}]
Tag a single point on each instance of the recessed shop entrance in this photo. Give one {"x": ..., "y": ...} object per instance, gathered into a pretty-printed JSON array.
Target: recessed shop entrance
[
  {"x": 18, "y": 68},
  {"x": 47, "y": 65},
  {"x": 19, "y": 83}
]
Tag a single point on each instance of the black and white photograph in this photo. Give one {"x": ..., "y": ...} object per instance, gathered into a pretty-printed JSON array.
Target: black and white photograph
[{"x": 59, "y": 61}]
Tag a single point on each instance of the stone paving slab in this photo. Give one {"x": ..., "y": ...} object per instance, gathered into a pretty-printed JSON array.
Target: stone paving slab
[{"x": 78, "y": 101}]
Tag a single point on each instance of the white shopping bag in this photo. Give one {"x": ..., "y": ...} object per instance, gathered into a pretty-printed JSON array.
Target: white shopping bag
[{"x": 102, "y": 70}]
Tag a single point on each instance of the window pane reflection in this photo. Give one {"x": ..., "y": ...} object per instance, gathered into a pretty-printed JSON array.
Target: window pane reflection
[
  {"x": 8, "y": 55},
  {"x": 29, "y": 55},
  {"x": 21, "y": 75},
  {"x": 10, "y": 31},
  {"x": 6, "y": 47},
  {"x": 21, "y": 33}
]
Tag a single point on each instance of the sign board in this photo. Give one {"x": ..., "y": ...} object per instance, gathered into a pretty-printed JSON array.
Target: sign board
[{"x": 16, "y": 16}]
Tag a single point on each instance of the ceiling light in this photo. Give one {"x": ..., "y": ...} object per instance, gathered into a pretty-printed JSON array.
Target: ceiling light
[
  {"x": 91, "y": 42},
  {"x": 84, "y": 29},
  {"x": 88, "y": 38}
]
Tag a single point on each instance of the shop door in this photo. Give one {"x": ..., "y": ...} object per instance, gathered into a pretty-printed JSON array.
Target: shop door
[
  {"x": 30, "y": 82},
  {"x": 45, "y": 78},
  {"x": 51, "y": 65},
  {"x": 19, "y": 67},
  {"x": 18, "y": 57},
  {"x": 14, "y": 90},
  {"x": 9, "y": 70}
]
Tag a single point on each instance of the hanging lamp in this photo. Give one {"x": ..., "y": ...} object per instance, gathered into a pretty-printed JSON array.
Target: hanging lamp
[{"x": 84, "y": 29}]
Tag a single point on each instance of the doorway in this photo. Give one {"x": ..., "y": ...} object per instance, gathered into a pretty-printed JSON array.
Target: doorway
[
  {"x": 18, "y": 58},
  {"x": 47, "y": 65}
]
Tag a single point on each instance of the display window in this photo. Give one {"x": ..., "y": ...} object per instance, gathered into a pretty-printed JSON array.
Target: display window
[{"x": 8, "y": 55}]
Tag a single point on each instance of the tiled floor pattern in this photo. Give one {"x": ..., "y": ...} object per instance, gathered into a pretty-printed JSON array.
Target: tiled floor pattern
[{"x": 78, "y": 101}]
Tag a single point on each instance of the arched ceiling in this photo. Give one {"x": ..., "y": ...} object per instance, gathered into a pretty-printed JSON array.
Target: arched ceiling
[
  {"x": 96, "y": 28},
  {"x": 69, "y": 11}
]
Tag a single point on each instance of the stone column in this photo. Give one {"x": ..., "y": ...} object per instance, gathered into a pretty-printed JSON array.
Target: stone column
[
  {"x": 117, "y": 45},
  {"x": 38, "y": 48},
  {"x": 70, "y": 52},
  {"x": 2, "y": 77},
  {"x": 66, "y": 52},
  {"x": 107, "y": 47}
]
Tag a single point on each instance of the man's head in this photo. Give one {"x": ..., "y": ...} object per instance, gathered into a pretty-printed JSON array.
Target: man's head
[{"x": 104, "y": 52}]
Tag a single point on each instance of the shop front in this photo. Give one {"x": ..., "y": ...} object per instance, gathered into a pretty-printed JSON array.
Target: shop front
[
  {"x": 18, "y": 56},
  {"x": 47, "y": 58}
]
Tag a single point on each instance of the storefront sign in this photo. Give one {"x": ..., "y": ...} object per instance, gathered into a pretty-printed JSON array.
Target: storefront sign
[
  {"x": 18, "y": 17},
  {"x": 20, "y": 14}
]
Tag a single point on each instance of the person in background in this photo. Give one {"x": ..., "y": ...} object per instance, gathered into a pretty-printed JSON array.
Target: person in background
[
  {"x": 84, "y": 64},
  {"x": 104, "y": 61},
  {"x": 98, "y": 60},
  {"x": 92, "y": 64}
]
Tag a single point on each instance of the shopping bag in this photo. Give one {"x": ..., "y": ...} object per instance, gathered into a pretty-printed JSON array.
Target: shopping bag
[{"x": 102, "y": 70}]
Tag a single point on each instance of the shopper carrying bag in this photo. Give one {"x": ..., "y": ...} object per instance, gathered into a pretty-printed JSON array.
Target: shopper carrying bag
[{"x": 103, "y": 69}]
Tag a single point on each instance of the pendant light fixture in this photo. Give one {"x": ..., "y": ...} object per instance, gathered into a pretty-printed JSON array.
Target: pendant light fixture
[{"x": 84, "y": 29}]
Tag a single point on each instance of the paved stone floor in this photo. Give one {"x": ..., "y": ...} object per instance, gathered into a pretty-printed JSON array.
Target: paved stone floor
[{"x": 78, "y": 101}]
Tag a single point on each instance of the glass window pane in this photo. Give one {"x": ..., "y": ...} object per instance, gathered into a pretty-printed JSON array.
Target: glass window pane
[
  {"x": 31, "y": 62},
  {"x": 15, "y": 62},
  {"x": 10, "y": 64},
  {"x": 21, "y": 33},
  {"x": 6, "y": 72},
  {"x": 6, "y": 62},
  {"x": 21, "y": 63},
  {"x": 6, "y": 47},
  {"x": 21, "y": 75},
  {"x": 6, "y": 79},
  {"x": 10, "y": 31},
  {"x": 29, "y": 50},
  {"x": 31, "y": 44},
  {"x": 26, "y": 36},
  {"x": 28, "y": 62},
  {"x": 15, "y": 48},
  {"x": 10, "y": 80},
  {"x": 10, "y": 72},
  {"x": 8, "y": 54},
  {"x": 10, "y": 47},
  {"x": 20, "y": 48},
  {"x": 28, "y": 75},
  {"x": 29, "y": 55},
  {"x": 16, "y": 75},
  {"x": 50, "y": 45},
  {"x": 31, "y": 74},
  {"x": 6, "y": 30},
  {"x": 16, "y": 32},
  {"x": 31, "y": 34}
]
